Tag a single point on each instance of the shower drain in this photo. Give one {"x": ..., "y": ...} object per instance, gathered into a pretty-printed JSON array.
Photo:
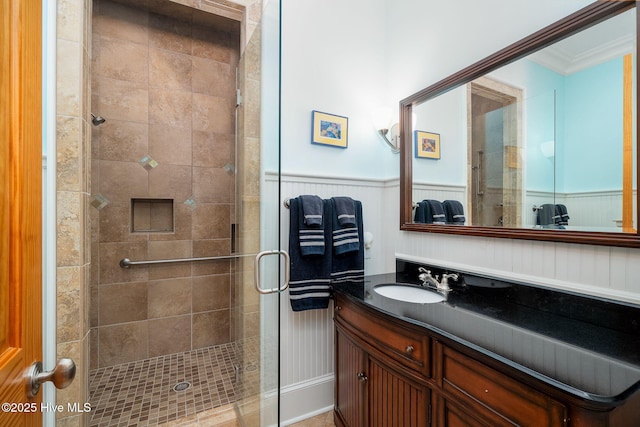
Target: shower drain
[{"x": 181, "y": 386}]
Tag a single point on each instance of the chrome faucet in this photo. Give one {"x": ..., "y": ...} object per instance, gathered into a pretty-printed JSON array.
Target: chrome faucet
[{"x": 430, "y": 281}]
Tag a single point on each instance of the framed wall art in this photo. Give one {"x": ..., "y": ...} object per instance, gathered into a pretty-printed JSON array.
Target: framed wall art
[
  {"x": 427, "y": 144},
  {"x": 329, "y": 129}
]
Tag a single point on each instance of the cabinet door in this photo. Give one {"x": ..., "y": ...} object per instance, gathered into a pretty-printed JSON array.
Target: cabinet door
[
  {"x": 350, "y": 381},
  {"x": 393, "y": 400}
]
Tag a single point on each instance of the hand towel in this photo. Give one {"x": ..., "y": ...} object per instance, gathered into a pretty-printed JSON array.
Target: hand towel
[
  {"x": 312, "y": 206},
  {"x": 454, "y": 212},
  {"x": 563, "y": 216},
  {"x": 420, "y": 215},
  {"x": 349, "y": 266},
  {"x": 435, "y": 212},
  {"x": 310, "y": 219},
  {"x": 345, "y": 211},
  {"x": 310, "y": 275},
  {"x": 345, "y": 232},
  {"x": 545, "y": 216}
]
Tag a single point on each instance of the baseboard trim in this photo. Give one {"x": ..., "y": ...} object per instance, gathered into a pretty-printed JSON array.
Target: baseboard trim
[{"x": 306, "y": 399}]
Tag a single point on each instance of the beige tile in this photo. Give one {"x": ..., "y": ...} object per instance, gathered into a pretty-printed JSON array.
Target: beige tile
[
  {"x": 110, "y": 256},
  {"x": 169, "y": 271},
  {"x": 123, "y": 343},
  {"x": 182, "y": 223},
  {"x": 212, "y": 149},
  {"x": 122, "y": 181},
  {"x": 69, "y": 20},
  {"x": 212, "y": 44},
  {"x": 69, "y": 82},
  {"x": 170, "y": 145},
  {"x": 207, "y": 248},
  {"x": 169, "y": 249},
  {"x": 169, "y": 34},
  {"x": 170, "y": 182},
  {"x": 115, "y": 224},
  {"x": 68, "y": 153},
  {"x": 123, "y": 100},
  {"x": 169, "y": 70},
  {"x": 123, "y": 302},
  {"x": 170, "y": 108},
  {"x": 210, "y": 328},
  {"x": 69, "y": 282},
  {"x": 213, "y": 78},
  {"x": 123, "y": 60},
  {"x": 212, "y": 114},
  {"x": 120, "y": 21},
  {"x": 211, "y": 221},
  {"x": 211, "y": 293},
  {"x": 123, "y": 140},
  {"x": 169, "y": 335},
  {"x": 169, "y": 297},
  {"x": 212, "y": 185},
  {"x": 70, "y": 228}
]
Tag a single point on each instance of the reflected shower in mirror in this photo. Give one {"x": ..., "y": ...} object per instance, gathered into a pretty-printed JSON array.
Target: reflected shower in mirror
[{"x": 545, "y": 143}]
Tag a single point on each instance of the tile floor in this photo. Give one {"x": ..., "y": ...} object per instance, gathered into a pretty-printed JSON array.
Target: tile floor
[
  {"x": 226, "y": 417},
  {"x": 141, "y": 393}
]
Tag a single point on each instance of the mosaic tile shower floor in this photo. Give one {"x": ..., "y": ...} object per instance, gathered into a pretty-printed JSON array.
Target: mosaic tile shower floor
[{"x": 141, "y": 393}]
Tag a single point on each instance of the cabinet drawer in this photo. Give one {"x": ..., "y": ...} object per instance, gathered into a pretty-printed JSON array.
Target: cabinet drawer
[
  {"x": 495, "y": 394},
  {"x": 410, "y": 347}
]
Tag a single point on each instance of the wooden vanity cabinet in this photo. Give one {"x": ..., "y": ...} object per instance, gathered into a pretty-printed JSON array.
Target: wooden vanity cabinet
[
  {"x": 378, "y": 375},
  {"x": 488, "y": 396},
  {"x": 392, "y": 373}
]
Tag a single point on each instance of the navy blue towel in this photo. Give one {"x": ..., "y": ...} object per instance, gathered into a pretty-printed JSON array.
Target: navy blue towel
[
  {"x": 546, "y": 214},
  {"x": 345, "y": 208},
  {"x": 310, "y": 222},
  {"x": 420, "y": 215},
  {"x": 345, "y": 233},
  {"x": 348, "y": 265},
  {"x": 310, "y": 279},
  {"x": 312, "y": 207},
  {"x": 562, "y": 217},
  {"x": 454, "y": 212}
]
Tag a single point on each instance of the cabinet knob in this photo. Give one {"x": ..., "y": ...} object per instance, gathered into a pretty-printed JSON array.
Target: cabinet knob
[
  {"x": 362, "y": 377},
  {"x": 338, "y": 308},
  {"x": 409, "y": 349}
]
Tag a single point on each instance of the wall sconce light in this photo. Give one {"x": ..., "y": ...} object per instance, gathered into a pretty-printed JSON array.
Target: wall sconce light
[
  {"x": 393, "y": 141},
  {"x": 390, "y": 135},
  {"x": 548, "y": 149}
]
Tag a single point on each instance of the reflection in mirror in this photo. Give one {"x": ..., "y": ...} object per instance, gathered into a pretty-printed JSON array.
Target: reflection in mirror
[{"x": 543, "y": 143}]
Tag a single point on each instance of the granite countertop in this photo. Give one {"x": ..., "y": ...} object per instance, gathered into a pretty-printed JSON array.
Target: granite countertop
[{"x": 585, "y": 346}]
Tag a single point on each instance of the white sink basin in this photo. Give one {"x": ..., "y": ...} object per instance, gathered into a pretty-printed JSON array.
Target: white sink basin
[{"x": 408, "y": 293}]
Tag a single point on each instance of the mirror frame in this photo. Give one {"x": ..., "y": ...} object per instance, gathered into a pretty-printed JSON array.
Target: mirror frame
[{"x": 572, "y": 24}]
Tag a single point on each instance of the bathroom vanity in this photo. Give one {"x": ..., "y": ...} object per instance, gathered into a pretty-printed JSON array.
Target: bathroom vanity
[{"x": 494, "y": 353}]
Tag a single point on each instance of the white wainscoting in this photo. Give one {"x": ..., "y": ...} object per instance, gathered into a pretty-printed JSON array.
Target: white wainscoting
[
  {"x": 307, "y": 345},
  {"x": 307, "y": 338}
]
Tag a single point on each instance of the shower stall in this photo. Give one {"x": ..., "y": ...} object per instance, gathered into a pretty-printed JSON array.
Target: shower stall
[{"x": 178, "y": 141}]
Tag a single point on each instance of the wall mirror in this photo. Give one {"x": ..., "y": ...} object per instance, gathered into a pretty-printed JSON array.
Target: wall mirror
[{"x": 537, "y": 141}]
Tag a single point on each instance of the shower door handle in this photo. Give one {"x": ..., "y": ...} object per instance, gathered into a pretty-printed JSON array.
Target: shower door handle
[
  {"x": 287, "y": 270},
  {"x": 478, "y": 170}
]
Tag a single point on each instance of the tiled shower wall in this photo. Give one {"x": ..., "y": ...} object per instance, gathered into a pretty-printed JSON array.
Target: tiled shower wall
[{"x": 166, "y": 87}]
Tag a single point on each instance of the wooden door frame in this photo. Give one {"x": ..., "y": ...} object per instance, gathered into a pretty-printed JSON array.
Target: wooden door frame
[
  {"x": 20, "y": 204},
  {"x": 513, "y": 164}
]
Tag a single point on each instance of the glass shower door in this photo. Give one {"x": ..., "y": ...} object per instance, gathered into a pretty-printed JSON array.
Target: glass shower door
[{"x": 257, "y": 230}]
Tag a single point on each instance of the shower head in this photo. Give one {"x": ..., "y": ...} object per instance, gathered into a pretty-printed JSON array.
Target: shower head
[{"x": 97, "y": 120}]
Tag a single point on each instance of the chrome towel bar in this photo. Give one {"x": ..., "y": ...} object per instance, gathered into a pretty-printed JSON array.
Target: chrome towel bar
[{"x": 126, "y": 262}]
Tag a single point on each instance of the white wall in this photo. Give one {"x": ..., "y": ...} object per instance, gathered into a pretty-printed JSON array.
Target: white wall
[
  {"x": 333, "y": 60},
  {"x": 346, "y": 58}
]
